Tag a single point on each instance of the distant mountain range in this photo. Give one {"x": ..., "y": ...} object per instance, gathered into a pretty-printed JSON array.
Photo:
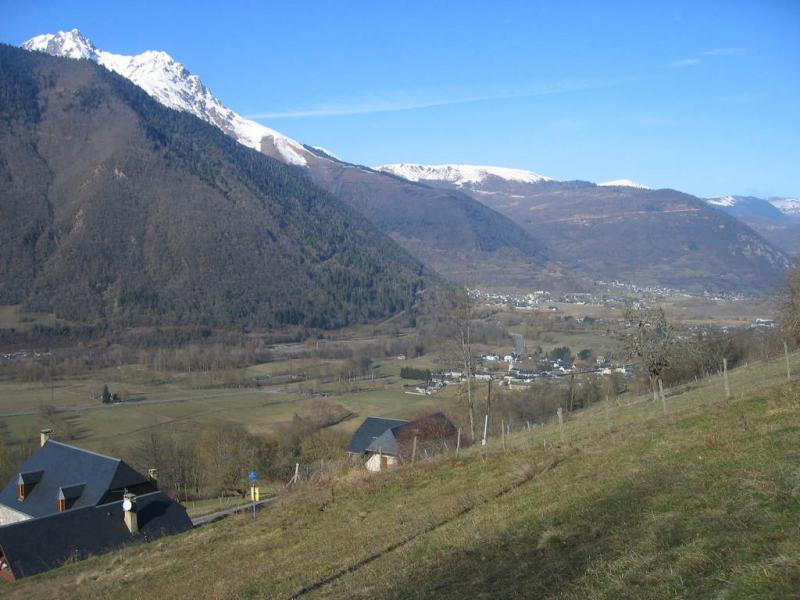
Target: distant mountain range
[
  {"x": 491, "y": 225},
  {"x": 777, "y": 219},
  {"x": 115, "y": 209},
  {"x": 622, "y": 231}
]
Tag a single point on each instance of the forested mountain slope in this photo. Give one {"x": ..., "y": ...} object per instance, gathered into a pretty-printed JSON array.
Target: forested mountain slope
[
  {"x": 114, "y": 208},
  {"x": 448, "y": 231},
  {"x": 635, "y": 234}
]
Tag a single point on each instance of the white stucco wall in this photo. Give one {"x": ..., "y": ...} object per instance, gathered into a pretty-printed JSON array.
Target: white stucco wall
[
  {"x": 9, "y": 515},
  {"x": 374, "y": 462}
]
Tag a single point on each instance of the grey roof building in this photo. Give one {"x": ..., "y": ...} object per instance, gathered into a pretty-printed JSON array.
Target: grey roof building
[
  {"x": 38, "y": 545},
  {"x": 67, "y": 503},
  {"x": 388, "y": 441},
  {"x": 369, "y": 431},
  {"x": 79, "y": 477}
]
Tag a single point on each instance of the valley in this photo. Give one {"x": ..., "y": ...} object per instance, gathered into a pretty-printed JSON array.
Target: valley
[{"x": 235, "y": 364}]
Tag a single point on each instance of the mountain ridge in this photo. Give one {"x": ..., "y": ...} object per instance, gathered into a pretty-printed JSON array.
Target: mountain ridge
[
  {"x": 173, "y": 85},
  {"x": 118, "y": 210},
  {"x": 425, "y": 221},
  {"x": 651, "y": 237}
]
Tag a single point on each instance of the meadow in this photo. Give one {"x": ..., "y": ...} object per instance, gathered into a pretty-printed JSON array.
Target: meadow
[{"x": 702, "y": 501}]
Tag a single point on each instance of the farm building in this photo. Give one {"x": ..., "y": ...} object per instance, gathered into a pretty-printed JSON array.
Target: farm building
[
  {"x": 66, "y": 504},
  {"x": 37, "y": 545},
  {"x": 388, "y": 442},
  {"x": 58, "y": 477}
]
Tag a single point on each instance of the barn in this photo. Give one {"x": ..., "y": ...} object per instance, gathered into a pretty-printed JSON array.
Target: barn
[{"x": 388, "y": 442}]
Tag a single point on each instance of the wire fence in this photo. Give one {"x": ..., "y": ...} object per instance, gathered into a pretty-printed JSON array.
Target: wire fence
[{"x": 498, "y": 433}]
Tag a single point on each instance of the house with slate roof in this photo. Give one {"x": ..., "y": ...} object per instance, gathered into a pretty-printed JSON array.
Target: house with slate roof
[
  {"x": 59, "y": 477},
  {"x": 387, "y": 442},
  {"x": 67, "y": 503}
]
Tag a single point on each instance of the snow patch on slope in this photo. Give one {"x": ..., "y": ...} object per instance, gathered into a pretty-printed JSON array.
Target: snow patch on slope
[
  {"x": 727, "y": 201},
  {"x": 788, "y": 206},
  {"x": 460, "y": 175},
  {"x": 624, "y": 183},
  {"x": 171, "y": 84}
]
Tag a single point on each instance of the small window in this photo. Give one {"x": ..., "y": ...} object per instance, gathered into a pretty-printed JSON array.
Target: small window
[{"x": 26, "y": 482}]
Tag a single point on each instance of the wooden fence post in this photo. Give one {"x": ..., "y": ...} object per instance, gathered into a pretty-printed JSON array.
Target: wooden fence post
[
  {"x": 608, "y": 416},
  {"x": 663, "y": 398},
  {"x": 414, "y": 450},
  {"x": 786, "y": 354},
  {"x": 503, "y": 433},
  {"x": 485, "y": 429},
  {"x": 458, "y": 442},
  {"x": 725, "y": 378},
  {"x": 561, "y": 423}
]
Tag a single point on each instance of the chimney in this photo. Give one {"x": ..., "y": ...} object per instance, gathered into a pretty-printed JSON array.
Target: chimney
[
  {"x": 44, "y": 436},
  {"x": 129, "y": 513},
  {"x": 152, "y": 475}
]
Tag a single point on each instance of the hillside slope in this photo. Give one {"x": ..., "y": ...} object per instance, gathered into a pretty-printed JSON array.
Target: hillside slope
[
  {"x": 701, "y": 503},
  {"x": 648, "y": 237},
  {"x": 776, "y": 219},
  {"x": 448, "y": 231},
  {"x": 116, "y": 209}
]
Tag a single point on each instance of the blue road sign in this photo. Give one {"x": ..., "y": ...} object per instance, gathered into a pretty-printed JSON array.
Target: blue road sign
[{"x": 253, "y": 475}]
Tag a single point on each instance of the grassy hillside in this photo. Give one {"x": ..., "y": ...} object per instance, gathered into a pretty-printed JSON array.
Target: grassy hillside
[{"x": 703, "y": 502}]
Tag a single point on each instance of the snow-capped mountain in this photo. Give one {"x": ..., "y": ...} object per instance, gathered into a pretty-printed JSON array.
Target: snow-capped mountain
[
  {"x": 776, "y": 219},
  {"x": 171, "y": 84},
  {"x": 460, "y": 175},
  {"x": 624, "y": 183},
  {"x": 773, "y": 209},
  {"x": 749, "y": 209},
  {"x": 788, "y": 206}
]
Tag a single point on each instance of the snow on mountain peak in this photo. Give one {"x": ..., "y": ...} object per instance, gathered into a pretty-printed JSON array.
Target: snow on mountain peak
[
  {"x": 624, "y": 183},
  {"x": 460, "y": 175},
  {"x": 723, "y": 201},
  {"x": 788, "y": 206},
  {"x": 171, "y": 84},
  {"x": 69, "y": 44}
]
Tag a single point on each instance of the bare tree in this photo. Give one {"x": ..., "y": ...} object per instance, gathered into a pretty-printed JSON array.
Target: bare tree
[
  {"x": 462, "y": 316},
  {"x": 790, "y": 304},
  {"x": 652, "y": 341}
]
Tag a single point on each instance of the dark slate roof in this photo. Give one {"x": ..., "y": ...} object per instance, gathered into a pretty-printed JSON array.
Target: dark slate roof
[
  {"x": 371, "y": 428},
  {"x": 386, "y": 443},
  {"x": 64, "y": 466},
  {"x": 432, "y": 427},
  {"x": 38, "y": 545}
]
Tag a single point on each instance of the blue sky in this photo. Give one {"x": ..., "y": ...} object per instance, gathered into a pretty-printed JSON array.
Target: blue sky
[{"x": 699, "y": 96}]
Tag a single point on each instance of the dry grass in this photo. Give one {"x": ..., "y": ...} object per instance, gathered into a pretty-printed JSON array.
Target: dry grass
[{"x": 688, "y": 505}]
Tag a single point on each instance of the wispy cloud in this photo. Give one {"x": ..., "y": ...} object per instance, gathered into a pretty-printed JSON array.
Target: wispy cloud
[
  {"x": 400, "y": 100},
  {"x": 696, "y": 59},
  {"x": 685, "y": 62}
]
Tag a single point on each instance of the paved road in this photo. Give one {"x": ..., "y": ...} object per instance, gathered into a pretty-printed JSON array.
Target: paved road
[
  {"x": 216, "y": 516},
  {"x": 100, "y": 406}
]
